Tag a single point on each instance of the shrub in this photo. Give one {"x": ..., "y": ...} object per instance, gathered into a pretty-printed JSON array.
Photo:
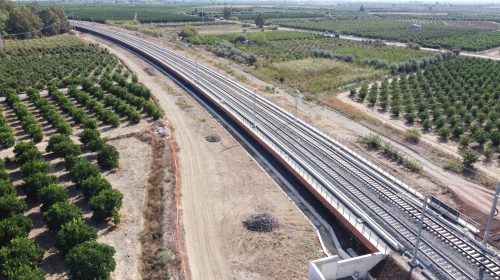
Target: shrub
[
  {"x": 35, "y": 166},
  {"x": 97, "y": 144},
  {"x": 52, "y": 194},
  {"x": 14, "y": 226},
  {"x": 20, "y": 252},
  {"x": 469, "y": 157},
  {"x": 106, "y": 203},
  {"x": 373, "y": 141},
  {"x": 93, "y": 185},
  {"x": 23, "y": 272},
  {"x": 464, "y": 141},
  {"x": 108, "y": 157},
  {"x": 73, "y": 233},
  {"x": 10, "y": 205},
  {"x": 480, "y": 136},
  {"x": 33, "y": 183},
  {"x": 61, "y": 213},
  {"x": 62, "y": 146},
  {"x": 82, "y": 169},
  {"x": 495, "y": 137},
  {"x": 488, "y": 153},
  {"x": 444, "y": 133},
  {"x": 188, "y": 31},
  {"x": 363, "y": 92},
  {"x": 26, "y": 151},
  {"x": 6, "y": 187},
  {"x": 88, "y": 135},
  {"x": 427, "y": 124},
  {"x": 453, "y": 166},
  {"x": 90, "y": 260},
  {"x": 413, "y": 135}
]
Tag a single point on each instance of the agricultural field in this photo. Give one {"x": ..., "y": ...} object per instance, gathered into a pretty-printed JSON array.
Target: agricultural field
[
  {"x": 125, "y": 12},
  {"x": 54, "y": 197},
  {"x": 327, "y": 63},
  {"x": 175, "y": 13},
  {"x": 434, "y": 32},
  {"x": 457, "y": 100}
]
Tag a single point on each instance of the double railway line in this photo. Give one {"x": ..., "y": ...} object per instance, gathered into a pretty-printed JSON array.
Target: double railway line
[{"x": 383, "y": 205}]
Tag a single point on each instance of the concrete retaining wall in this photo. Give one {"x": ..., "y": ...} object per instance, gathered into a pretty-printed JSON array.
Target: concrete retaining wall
[{"x": 333, "y": 268}]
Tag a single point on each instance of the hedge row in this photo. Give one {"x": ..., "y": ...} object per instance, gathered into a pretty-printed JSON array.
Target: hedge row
[
  {"x": 118, "y": 105},
  {"x": 140, "y": 103},
  {"x": 28, "y": 122},
  {"x": 49, "y": 112},
  {"x": 79, "y": 115},
  {"x": 105, "y": 115},
  {"x": 7, "y": 138}
]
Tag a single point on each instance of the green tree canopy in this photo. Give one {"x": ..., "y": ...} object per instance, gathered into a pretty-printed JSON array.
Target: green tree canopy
[
  {"x": 106, "y": 203},
  {"x": 21, "y": 253},
  {"x": 14, "y": 226},
  {"x": 260, "y": 20},
  {"x": 90, "y": 260},
  {"x": 61, "y": 213},
  {"x": 108, "y": 157},
  {"x": 93, "y": 185},
  {"x": 10, "y": 205},
  {"x": 52, "y": 194},
  {"x": 74, "y": 233}
]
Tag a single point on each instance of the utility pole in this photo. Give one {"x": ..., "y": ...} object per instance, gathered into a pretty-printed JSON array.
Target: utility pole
[
  {"x": 1, "y": 42},
  {"x": 414, "y": 261},
  {"x": 493, "y": 213},
  {"x": 202, "y": 17}
]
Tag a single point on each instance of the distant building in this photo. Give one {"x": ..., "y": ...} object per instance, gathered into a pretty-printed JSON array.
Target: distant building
[{"x": 414, "y": 26}]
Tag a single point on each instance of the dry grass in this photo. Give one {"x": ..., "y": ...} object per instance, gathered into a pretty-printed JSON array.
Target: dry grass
[
  {"x": 316, "y": 75},
  {"x": 333, "y": 102},
  {"x": 158, "y": 258}
]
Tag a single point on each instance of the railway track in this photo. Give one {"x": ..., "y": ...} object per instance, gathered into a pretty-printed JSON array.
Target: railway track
[{"x": 388, "y": 209}]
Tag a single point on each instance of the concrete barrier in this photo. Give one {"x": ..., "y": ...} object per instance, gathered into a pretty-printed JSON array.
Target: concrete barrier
[{"x": 333, "y": 268}]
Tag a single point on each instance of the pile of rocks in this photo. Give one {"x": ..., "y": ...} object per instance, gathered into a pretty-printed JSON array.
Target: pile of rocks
[{"x": 261, "y": 223}]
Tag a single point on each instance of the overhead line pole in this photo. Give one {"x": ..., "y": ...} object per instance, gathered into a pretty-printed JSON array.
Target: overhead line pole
[
  {"x": 492, "y": 214},
  {"x": 414, "y": 261}
]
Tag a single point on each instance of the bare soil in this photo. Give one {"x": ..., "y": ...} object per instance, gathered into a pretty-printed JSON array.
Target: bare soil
[
  {"x": 495, "y": 52},
  {"x": 130, "y": 179},
  {"x": 222, "y": 185}
]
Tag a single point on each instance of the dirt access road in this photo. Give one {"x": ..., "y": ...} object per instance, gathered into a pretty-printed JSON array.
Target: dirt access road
[{"x": 221, "y": 185}]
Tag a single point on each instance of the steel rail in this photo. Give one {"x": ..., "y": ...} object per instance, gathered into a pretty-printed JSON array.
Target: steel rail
[{"x": 196, "y": 72}]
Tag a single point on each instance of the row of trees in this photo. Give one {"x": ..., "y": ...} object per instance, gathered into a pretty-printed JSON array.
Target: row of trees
[
  {"x": 31, "y": 22},
  {"x": 461, "y": 106},
  {"x": 7, "y": 138},
  {"x": 105, "y": 115},
  {"x": 19, "y": 256},
  {"x": 28, "y": 121},
  {"x": 78, "y": 114},
  {"x": 139, "y": 102},
  {"x": 228, "y": 50},
  {"x": 84, "y": 257},
  {"x": 49, "y": 112}
]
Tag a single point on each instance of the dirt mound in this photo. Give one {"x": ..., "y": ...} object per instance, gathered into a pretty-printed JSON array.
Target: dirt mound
[{"x": 261, "y": 223}]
